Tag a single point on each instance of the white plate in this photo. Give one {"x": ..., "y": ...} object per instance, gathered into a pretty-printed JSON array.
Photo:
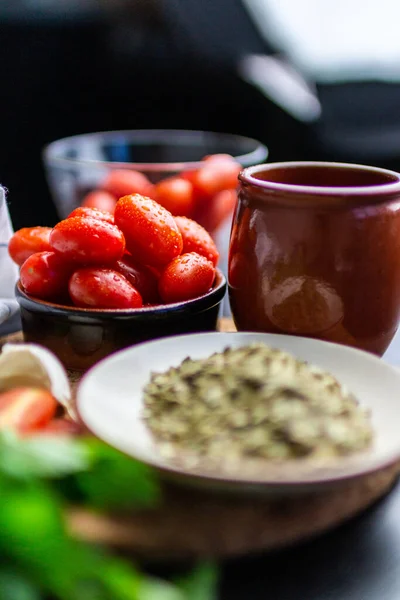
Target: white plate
[{"x": 110, "y": 403}]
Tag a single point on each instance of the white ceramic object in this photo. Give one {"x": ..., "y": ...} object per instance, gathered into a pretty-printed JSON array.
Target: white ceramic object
[
  {"x": 31, "y": 365},
  {"x": 110, "y": 402}
]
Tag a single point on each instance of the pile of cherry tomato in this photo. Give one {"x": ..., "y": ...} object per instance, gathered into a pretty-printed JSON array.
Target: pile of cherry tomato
[
  {"x": 138, "y": 256},
  {"x": 206, "y": 194}
]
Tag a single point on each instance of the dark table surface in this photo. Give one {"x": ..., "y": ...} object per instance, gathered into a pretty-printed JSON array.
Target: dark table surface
[{"x": 358, "y": 561}]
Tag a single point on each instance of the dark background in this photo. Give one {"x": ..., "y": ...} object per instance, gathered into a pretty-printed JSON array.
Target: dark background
[{"x": 159, "y": 64}]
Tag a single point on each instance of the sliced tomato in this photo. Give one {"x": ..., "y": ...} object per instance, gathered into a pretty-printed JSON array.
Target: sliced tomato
[{"x": 26, "y": 409}]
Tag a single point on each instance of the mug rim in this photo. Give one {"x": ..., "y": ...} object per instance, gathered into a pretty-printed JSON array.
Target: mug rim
[{"x": 247, "y": 176}]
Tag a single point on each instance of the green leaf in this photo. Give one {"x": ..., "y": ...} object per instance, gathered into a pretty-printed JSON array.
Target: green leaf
[
  {"x": 201, "y": 583},
  {"x": 156, "y": 589},
  {"x": 45, "y": 456},
  {"x": 121, "y": 579},
  {"x": 14, "y": 586},
  {"x": 116, "y": 481},
  {"x": 34, "y": 541}
]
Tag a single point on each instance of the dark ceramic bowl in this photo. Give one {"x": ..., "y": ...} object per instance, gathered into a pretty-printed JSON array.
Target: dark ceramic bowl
[{"x": 80, "y": 337}]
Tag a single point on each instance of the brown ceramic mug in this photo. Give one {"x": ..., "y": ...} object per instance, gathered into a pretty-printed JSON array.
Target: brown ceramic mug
[{"x": 315, "y": 251}]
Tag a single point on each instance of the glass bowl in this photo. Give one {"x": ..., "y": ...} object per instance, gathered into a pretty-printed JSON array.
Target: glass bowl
[{"x": 77, "y": 165}]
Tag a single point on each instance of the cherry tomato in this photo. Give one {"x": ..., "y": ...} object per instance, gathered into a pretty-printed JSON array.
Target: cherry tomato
[
  {"x": 216, "y": 175},
  {"x": 176, "y": 195},
  {"x": 216, "y": 158},
  {"x": 122, "y": 182},
  {"x": 202, "y": 190},
  {"x": 197, "y": 239},
  {"x": 26, "y": 409},
  {"x": 141, "y": 277},
  {"x": 84, "y": 240},
  {"x": 60, "y": 426},
  {"x": 221, "y": 208},
  {"x": 95, "y": 213},
  {"x": 151, "y": 233},
  {"x": 228, "y": 170},
  {"x": 102, "y": 288},
  {"x": 45, "y": 275},
  {"x": 99, "y": 199},
  {"x": 187, "y": 276},
  {"x": 27, "y": 241}
]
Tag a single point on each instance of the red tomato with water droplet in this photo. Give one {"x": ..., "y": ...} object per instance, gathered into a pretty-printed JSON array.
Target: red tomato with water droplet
[
  {"x": 141, "y": 277},
  {"x": 99, "y": 199},
  {"x": 102, "y": 288},
  {"x": 95, "y": 213},
  {"x": 28, "y": 241},
  {"x": 84, "y": 240},
  {"x": 187, "y": 276},
  {"x": 45, "y": 275},
  {"x": 197, "y": 239},
  {"x": 122, "y": 182},
  {"x": 152, "y": 236}
]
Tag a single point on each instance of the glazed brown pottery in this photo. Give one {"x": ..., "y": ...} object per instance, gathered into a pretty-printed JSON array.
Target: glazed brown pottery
[{"x": 315, "y": 251}]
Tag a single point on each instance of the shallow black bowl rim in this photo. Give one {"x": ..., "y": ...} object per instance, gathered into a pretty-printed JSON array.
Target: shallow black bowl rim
[
  {"x": 51, "y": 153},
  {"x": 204, "y": 302}
]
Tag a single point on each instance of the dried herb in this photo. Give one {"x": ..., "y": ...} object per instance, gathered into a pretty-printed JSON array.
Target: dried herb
[{"x": 254, "y": 401}]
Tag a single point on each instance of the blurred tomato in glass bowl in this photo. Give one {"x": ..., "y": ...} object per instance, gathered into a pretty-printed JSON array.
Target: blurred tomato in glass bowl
[{"x": 185, "y": 171}]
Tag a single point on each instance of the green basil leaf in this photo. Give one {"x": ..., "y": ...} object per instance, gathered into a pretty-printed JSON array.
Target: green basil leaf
[
  {"x": 41, "y": 456},
  {"x": 14, "y": 586},
  {"x": 116, "y": 481},
  {"x": 201, "y": 583}
]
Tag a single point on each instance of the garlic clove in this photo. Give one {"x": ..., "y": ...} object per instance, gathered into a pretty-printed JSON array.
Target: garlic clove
[{"x": 33, "y": 365}]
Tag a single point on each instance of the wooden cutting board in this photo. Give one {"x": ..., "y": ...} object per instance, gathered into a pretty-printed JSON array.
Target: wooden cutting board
[{"x": 192, "y": 524}]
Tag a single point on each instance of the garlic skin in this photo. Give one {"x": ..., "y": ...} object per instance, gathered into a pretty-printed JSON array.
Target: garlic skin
[{"x": 32, "y": 365}]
